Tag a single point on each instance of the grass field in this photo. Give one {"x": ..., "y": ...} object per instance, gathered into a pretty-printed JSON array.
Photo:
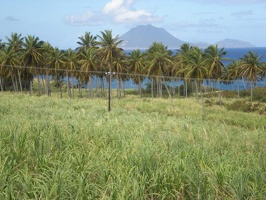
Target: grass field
[{"x": 55, "y": 148}]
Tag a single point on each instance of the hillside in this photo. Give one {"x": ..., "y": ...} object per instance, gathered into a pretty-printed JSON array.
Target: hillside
[
  {"x": 231, "y": 43},
  {"x": 142, "y": 36}
]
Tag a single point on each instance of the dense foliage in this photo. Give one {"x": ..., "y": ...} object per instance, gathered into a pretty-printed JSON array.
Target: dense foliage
[{"x": 22, "y": 58}]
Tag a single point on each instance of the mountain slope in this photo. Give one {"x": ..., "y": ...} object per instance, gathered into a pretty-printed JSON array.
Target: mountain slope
[
  {"x": 231, "y": 43},
  {"x": 142, "y": 37}
]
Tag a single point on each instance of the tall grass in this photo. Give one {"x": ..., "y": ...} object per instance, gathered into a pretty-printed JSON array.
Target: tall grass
[{"x": 74, "y": 149}]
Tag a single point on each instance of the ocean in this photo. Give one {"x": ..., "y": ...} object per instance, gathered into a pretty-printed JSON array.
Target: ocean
[{"x": 232, "y": 54}]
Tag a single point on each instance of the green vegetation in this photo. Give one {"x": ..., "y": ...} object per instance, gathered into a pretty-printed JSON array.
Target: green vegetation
[
  {"x": 59, "y": 148},
  {"x": 101, "y": 58}
]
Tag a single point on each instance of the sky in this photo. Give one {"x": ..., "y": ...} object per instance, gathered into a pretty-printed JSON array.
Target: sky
[{"x": 61, "y": 22}]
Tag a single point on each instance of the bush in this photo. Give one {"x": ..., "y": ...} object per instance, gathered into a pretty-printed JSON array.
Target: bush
[{"x": 246, "y": 106}]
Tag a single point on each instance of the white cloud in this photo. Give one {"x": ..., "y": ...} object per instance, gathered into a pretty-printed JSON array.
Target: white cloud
[
  {"x": 122, "y": 11},
  {"x": 87, "y": 18}
]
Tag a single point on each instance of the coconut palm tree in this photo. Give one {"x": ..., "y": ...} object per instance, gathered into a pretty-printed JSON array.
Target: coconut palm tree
[
  {"x": 214, "y": 58},
  {"x": 107, "y": 52},
  {"x": 85, "y": 42},
  {"x": 160, "y": 63},
  {"x": 71, "y": 67},
  {"x": 251, "y": 69},
  {"x": 15, "y": 41},
  {"x": 196, "y": 68},
  {"x": 9, "y": 61},
  {"x": 33, "y": 56},
  {"x": 87, "y": 65},
  {"x": 180, "y": 64},
  {"x": 57, "y": 62},
  {"x": 232, "y": 73},
  {"x": 120, "y": 64},
  {"x": 136, "y": 63},
  {"x": 2, "y": 45}
]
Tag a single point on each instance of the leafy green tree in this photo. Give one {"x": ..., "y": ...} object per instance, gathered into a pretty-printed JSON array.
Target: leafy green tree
[
  {"x": 180, "y": 63},
  {"x": 15, "y": 41},
  {"x": 120, "y": 64},
  {"x": 71, "y": 67},
  {"x": 87, "y": 66},
  {"x": 107, "y": 52},
  {"x": 214, "y": 58},
  {"x": 2, "y": 45},
  {"x": 57, "y": 63},
  {"x": 232, "y": 73},
  {"x": 86, "y": 42},
  {"x": 33, "y": 56},
  {"x": 136, "y": 63},
  {"x": 251, "y": 69},
  {"x": 196, "y": 69},
  {"x": 9, "y": 61},
  {"x": 160, "y": 64}
]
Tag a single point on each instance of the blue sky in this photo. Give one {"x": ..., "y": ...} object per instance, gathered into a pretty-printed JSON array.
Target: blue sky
[{"x": 61, "y": 22}]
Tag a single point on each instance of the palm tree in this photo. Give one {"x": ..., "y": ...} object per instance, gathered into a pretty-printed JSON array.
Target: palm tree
[
  {"x": 87, "y": 65},
  {"x": 120, "y": 63},
  {"x": 15, "y": 42},
  {"x": 86, "y": 42},
  {"x": 137, "y": 65},
  {"x": 180, "y": 64},
  {"x": 160, "y": 64},
  {"x": 214, "y": 58},
  {"x": 71, "y": 67},
  {"x": 232, "y": 73},
  {"x": 33, "y": 56},
  {"x": 251, "y": 68},
  {"x": 2, "y": 45},
  {"x": 108, "y": 50},
  {"x": 9, "y": 61},
  {"x": 57, "y": 62},
  {"x": 196, "y": 68}
]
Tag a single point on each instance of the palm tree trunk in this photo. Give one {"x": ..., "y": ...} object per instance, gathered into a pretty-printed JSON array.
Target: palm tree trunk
[
  {"x": 68, "y": 89},
  {"x": 251, "y": 92},
  {"x": 97, "y": 84},
  {"x": 168, "y": 93},
  {"x": 110, "y": 88},
  {"x": 30, "y": 88},
  {"x": 238, "y": 90},
  {"x": 152, "y": 88},
  {"x": 72, "y": 84},
  {"x": 220, "y": 94},
  {"x": 1, "y": 84},
  {"x": 118, "y": 85},
  {"x": 197, "y": 91},
  {"x": 47, "y": 84},
  {"x": 139, "y": 83},
  {"x": 13, "y": 83},
  {"x": 19, "y": 79},
  {"x": 202, "y": 101},
  {"x": 39, "y": 84},
  {"x": 186, "y": 88},
  {"x": 91, "y": 87}
]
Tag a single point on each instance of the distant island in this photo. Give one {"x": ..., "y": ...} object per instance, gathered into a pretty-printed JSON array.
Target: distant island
[{"x": 142, "y": 37}]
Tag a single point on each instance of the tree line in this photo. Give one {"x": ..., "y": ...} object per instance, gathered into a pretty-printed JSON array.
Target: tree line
[{"x": 24, "y": 58}]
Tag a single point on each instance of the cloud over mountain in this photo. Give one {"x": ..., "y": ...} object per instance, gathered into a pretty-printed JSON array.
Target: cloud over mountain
[
  {"x": 122, "y": 11},
  {"x": 117, "y": 11}
]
